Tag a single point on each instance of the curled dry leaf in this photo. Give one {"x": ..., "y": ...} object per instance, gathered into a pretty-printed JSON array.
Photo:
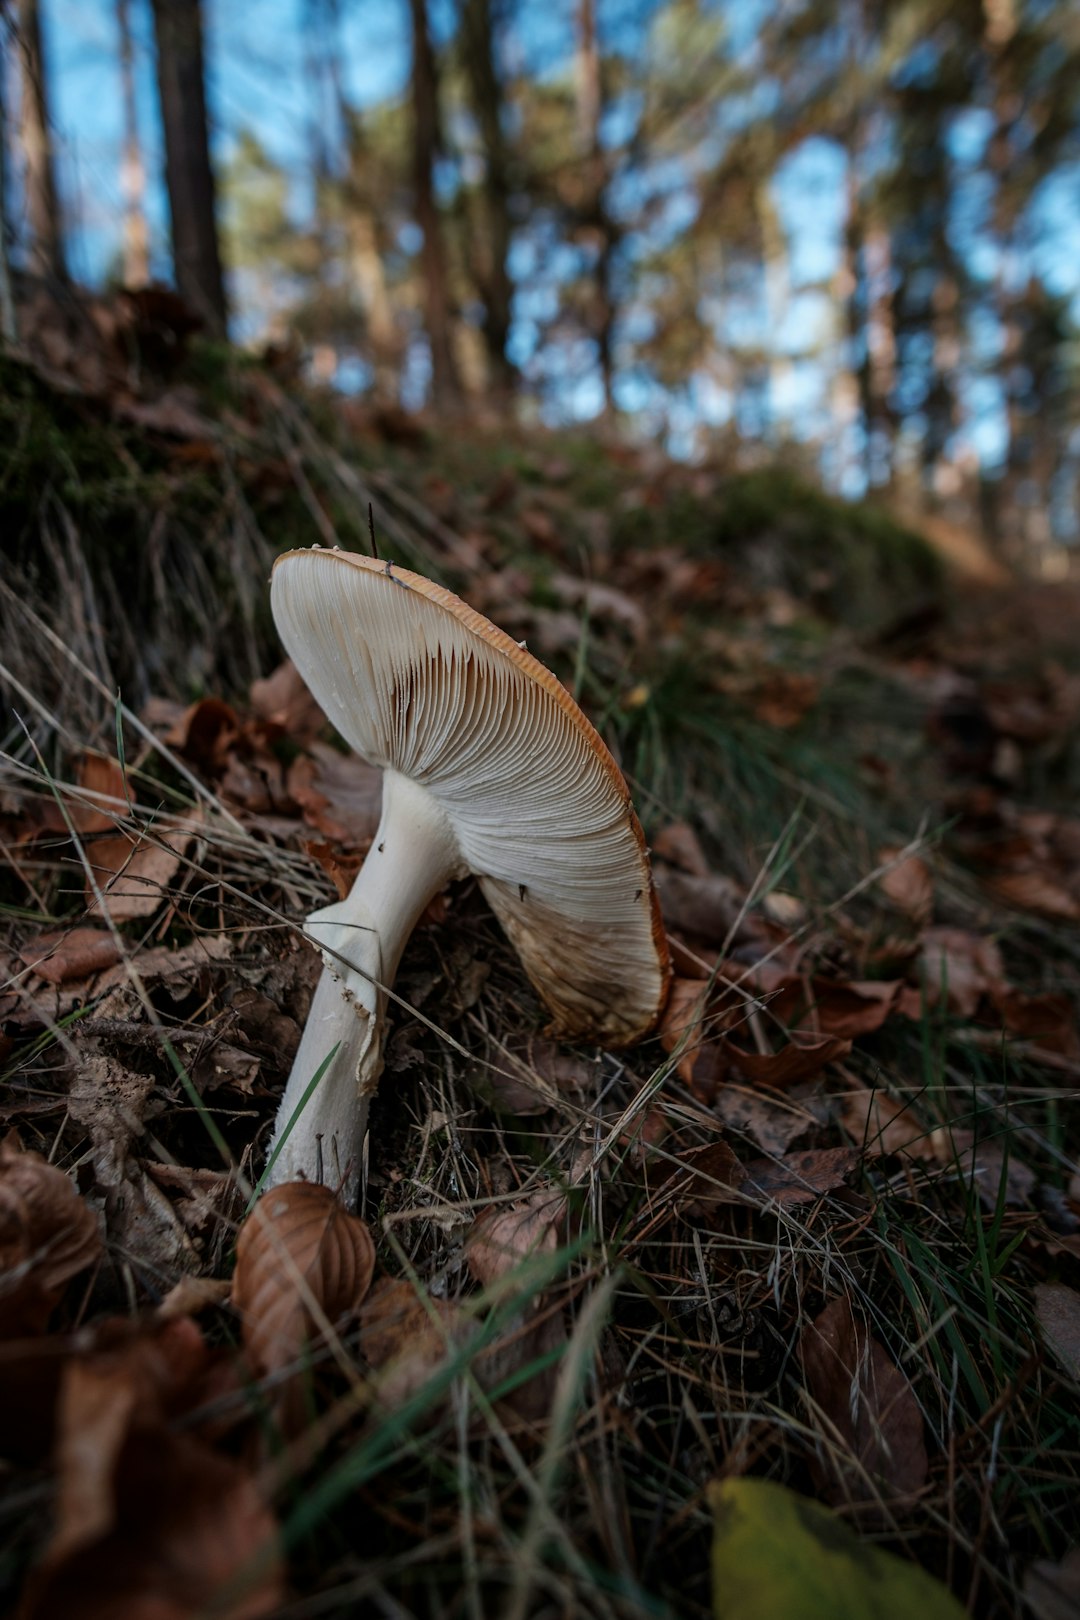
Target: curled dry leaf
[
  {"x": 959, "y": 968},
  {"x": 70, "y": 953},
  {"x": 502, "y": 1238},
  {"x": 877, "y": 1123},
  {"x": 1052, "y": 1591},
  {"x": 1058, "y": 1311},
  {"x": 282, "y": 699},
  {"x": 800, "y": 1059},
  {"x": 340, "y": 794},
  {"x": 133, "y": 869},
  {"x": 300, "y": 1255},
  {"x": 47, "y": 1236},
  {"x": 798, "y": 1178},
  {"x": 151, "y": 1523},
  {"x": 683, "y": 1023},
  {"x": 772, "y": 1121},
  {"x": 405, "y": 1337},
  {"x": 871, "y": 1444},
  {"x": 908, "y": 884},
  {"x": 679, "y": 845}
]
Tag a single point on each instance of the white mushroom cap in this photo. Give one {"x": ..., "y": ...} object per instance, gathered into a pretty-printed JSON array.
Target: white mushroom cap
[{"x": 428, "y": 689}]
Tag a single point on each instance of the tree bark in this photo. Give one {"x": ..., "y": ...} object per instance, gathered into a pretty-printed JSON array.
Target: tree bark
[
  {"x": 43, "y": 206},
  {"x": 188, "y": 175},
  {"x": 445, "y": 388},
  {"x": 133, "y": 170},
  {"x": 596, "y": 215},
  {"x": 494, "y": 281},
  {"x": 8, "y": 325}
]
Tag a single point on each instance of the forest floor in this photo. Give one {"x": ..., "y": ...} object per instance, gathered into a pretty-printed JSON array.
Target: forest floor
[{"x": 822, "y": 1231}]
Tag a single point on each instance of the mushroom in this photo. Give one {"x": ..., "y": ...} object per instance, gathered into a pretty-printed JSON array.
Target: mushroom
[{"x": 490, "y": 768}]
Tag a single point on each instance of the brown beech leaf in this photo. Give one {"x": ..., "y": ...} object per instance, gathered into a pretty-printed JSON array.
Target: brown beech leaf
[
  {"x": 784, "y": 697},
  {"x": 1052, "y": 1591},
  {"x": 1048, "y": 1021},
  {"x": 151, "y": 1523},
  {"x": 798, "y": 1178},
  {"x": 340, "y": 794},
  {"x": 706, "y": 906},
  {"x": 908, "y": 883},
  {"x": 1042, "y": 892},
  {"x": 47, "y": 1236},
  {"x": 960, "y": 968},
  {"x": 799, "y": 1060},
  {"x": 679, "y": 845},
  {"x": 405, "y": 1337},
  {"x": 206, "y": 733},
  {"x": 683, "y": 1023},
  {"x": 1058, "y": 1311},
  {"x": 877, "y": 1123},
  {"x": 299, "y": 1247},
  {"x": 70, "y": 953},
  {"x": 502, "y": 1238},
  {"x": 705, "y": 1176},
  {"x": 133, "y": 871},
  {"x": 771, "y": 1120},
  {"x": 871, "y": 1444},
  {"x": 282, "y": 699}
]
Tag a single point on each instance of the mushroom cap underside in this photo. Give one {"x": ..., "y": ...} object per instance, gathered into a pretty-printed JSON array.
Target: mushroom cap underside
[{"x": 422, "y": 685}]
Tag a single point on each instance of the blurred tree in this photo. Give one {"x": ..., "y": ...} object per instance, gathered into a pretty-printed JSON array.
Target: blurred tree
[
  {"x": 188, "y": 174},
  {"x": 8, "y": 326},
  {"x": 133, "y": 171},
  {"x": 43, "y": 205},
  {"x": 491, "y": 264},
  {"x": 427, "y": 143}
]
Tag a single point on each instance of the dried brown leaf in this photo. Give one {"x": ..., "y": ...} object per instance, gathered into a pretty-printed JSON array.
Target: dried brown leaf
[
  {"x": 706, "y": 1176},
  {"x": 47, "y": 1236},
  {"x": 706, "y": 906},
  {"x": 1041, "y": 891},
  {"x": 877, "y": 1123},
  {"x": 64, "y": 954},
  {"x": 133, "y": 871},
  {"x": 299, "y": 1247},
  {"x": 340, "y": 794},
  {"x": 801, "y": 1059},
  {"x": 150, "y": 1523},
  {"x": 908, "y": 883},
  {"x": 282, "y": 699},
  {"x": 798, "y": 1178},
  {"x": 960, "y": 967},
  {"x": 1058, "y": 1310},
  {"x": 502, "y": 1238},
  {"x": 679, "y": 845},
  {"x": 872, "y": 1445},
  {"x": 1052, "y": 1591},
  {"x": 406, "y": 1336},
  {"x": 771, "y": 1121}
]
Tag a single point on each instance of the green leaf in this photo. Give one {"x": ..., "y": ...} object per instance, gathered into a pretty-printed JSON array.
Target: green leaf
[{"x": 779, "y": 1554}]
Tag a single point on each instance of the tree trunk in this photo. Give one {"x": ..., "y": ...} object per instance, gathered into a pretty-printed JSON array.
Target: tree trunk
[
  {"x": 595, "y": 212},
  {"x": 133, "y": 171},
  {"x": 494, "y": 278},
  {"x": 445, "y": 388},
  {"x": 188, "y": 175},
  {"x": 47, "y": 247},
  {"x": 8, "y": 326}
]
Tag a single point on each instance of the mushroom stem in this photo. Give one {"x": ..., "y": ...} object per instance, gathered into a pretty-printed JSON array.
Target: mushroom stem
[{"x": 413, "y": 857}]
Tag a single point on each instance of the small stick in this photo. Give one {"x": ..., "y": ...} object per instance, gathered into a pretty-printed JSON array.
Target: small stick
[{"x": 371, "y": 531}]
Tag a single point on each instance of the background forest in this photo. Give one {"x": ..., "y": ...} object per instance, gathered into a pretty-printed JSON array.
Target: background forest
[{"x": 843, "y": 231}]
